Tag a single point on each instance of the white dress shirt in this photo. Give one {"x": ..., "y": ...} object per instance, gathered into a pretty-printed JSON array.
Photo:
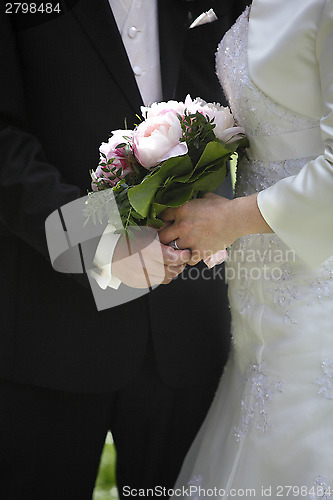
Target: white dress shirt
[{"x": 137, "y": 21}]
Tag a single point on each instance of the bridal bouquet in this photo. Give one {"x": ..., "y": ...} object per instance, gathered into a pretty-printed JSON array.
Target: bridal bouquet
[{"x": 178, "y": 150}]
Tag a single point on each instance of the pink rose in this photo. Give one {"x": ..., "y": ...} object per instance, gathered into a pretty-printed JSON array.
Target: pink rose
[{"x": 158, "y": 138}]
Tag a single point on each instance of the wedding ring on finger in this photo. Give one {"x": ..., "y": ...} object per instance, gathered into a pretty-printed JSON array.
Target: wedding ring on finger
[{"x": 174, "y": 245}]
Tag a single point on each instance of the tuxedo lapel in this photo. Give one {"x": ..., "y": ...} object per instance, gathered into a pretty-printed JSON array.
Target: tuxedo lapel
[
  {"x": 100, "y": 26},
  {"x": 172, "y": 29}
]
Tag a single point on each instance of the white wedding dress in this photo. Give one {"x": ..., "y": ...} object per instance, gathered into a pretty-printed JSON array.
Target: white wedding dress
[{"x": 269, "y": 432}]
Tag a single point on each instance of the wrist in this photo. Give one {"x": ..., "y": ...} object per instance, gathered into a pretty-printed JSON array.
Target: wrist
[{"x": 246, "y": 216}]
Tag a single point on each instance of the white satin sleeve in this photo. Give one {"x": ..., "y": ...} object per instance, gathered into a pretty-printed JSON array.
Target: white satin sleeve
[
  {"x": 102, "y": 271},
  {"x": 299, "y": 209}
]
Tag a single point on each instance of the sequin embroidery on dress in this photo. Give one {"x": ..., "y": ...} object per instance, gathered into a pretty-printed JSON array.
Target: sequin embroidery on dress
[
  {"x": 256, "y": 112},
  {"x": 262, "y": 118},
  {"x": 326, "y": 381},
  {"x": 320, "y": 489},
  {"x": 255, "y": 405}
]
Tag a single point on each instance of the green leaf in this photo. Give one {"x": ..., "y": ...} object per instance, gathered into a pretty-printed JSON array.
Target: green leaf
[
  {"x": 156, "y": 209},
  {"x": 183, "y": 178},
  {"x": 211, "y": 180},
  {"x": 137, "y": 216},
  {"x": 241, "y": 143},
  {"x": 176, "y": 195},
  {"x": 155, "y": 222},
  {"x": 142, "y": 195},
  {"x": 218, "y": 164},
  {"x": 214, "y": 151}
]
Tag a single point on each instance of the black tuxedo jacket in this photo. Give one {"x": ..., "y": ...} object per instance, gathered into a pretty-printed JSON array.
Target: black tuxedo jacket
[{"x": 66, "y": 84}]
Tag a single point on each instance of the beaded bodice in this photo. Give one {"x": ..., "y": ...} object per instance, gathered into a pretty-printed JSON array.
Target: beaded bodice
[
  {"x": 256, "y": 112},
  {"x": 288, "y": 281}
]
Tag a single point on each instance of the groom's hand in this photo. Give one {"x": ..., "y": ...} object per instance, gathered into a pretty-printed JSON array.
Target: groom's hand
[
  {"x": 212, "y": 223},
  {"x": 144, "y": 261},
  {"x": 200, "y": 224}
]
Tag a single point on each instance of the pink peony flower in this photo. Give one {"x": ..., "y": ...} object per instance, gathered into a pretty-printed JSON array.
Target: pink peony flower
[
  {"x": 118, "y": 137},
  {"x": 224, "y": 122},
  {"x": 230, "y": 135},
  {"x": 161, "y": 108},
  {"x": 158, "y": 138},
  {"x": 120, "y": 158}
]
